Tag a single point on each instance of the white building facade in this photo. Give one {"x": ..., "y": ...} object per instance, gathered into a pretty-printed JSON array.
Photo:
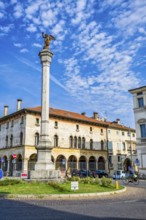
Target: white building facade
[{"x": 139, "y": 102}]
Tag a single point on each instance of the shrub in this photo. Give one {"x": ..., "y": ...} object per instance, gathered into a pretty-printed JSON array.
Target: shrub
[
  {"x": 7, "y": 182},
  {"x": 57, "y": 186},
  {"x": 106, "y": 181},
  {"x": 86, "y": 180},
  {"x": 74, "y": 178},
  {"x": 97, "y": 181}
]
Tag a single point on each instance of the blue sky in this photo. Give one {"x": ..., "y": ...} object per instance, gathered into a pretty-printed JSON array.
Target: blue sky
[{"x": 99, "y": 54}]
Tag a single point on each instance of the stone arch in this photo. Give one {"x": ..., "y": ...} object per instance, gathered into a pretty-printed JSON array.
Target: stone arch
[
  {"x": 72, "y": 163},
  {"x": 82, "y": 163},
  {"x": 101, "y": 163},
  {"x": 19, "y": 162},
  {"x": 11, "y": 165},
  {"x": 32, "y": 161},
  {"x": 4, "y": 165},
  {"x": 92, "y": 163},
  {"x": 127, "y": 163},
  {"x": 60, "y": 162}
]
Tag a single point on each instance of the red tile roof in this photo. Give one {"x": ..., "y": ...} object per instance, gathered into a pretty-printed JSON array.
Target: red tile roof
[{"x": 77, "y": 116}]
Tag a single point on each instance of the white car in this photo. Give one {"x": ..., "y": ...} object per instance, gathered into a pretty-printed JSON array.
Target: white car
[{"x": 118, "y": 174}]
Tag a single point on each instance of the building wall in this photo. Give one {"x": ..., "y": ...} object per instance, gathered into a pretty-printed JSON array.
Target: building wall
[
  {"x": 140, "y": 118},
  {"x": 65, "y": 129}
]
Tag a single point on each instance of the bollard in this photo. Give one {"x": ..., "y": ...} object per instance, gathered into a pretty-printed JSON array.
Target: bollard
[{"x": 117, "y": 184}]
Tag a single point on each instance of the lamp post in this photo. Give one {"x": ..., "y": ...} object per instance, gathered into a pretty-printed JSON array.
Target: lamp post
[
  {"x": 130, "y": 146},
  {"x": 107, "y": 149}
]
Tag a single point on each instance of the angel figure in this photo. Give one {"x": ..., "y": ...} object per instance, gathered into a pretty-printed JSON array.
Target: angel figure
[{"x": 47, "y": 40}]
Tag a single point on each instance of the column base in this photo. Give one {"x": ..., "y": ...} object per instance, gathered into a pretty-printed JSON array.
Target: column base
[{"x": 44, "y": 174}]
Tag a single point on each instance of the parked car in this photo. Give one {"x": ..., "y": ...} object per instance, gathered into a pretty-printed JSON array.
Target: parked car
[
  {"x": 118, "y": 174},
  {"x": 100, "y": 173},
  {"x": 85, "y": 173},
  {"x": 82, "y": 173}
]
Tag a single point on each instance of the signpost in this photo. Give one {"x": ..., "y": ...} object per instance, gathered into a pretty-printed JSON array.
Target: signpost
[
  {"x": 24, "y": 176},
  {"x": 74, "y": 185},
  {"x": 137, "y": 162}
]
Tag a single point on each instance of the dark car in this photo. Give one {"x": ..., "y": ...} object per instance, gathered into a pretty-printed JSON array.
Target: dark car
[
  {"x": 85, "y": 173},
  {"x": 100, "y": 173}
]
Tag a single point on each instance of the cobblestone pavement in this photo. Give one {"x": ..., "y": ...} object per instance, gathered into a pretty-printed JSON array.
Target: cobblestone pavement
[{"x": 128, "y": 205}]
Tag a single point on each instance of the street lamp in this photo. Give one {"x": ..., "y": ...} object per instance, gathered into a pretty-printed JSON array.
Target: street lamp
[{"x": 130, "y": 146}]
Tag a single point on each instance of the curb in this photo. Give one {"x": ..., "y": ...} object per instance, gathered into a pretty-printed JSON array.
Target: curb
[{"x": 60, "y": 196}]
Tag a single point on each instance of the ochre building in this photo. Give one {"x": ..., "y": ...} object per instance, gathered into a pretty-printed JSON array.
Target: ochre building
[{"x": 78, "y": 141}]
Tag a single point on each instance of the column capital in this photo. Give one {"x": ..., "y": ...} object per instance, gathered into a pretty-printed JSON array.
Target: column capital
[{"x": 46, "y": 56}]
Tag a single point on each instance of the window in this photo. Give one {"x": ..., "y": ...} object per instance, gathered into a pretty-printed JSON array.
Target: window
[
  {"x": 11, "y": 141},
  {"x": 37, "y": 121},
  {"x": 91, "y": 144},
  {"x": 12, "y": 123},
  {"x": 123, "y": 133},
  {"x": 102, "y": 145},
  {"x": 143, "y": 130},
  {"x": 79, "y": 142},
  {"x": 55, "y": 140},
  {"x": 83, "y": 143},
  {"x": 36, "y": 139},
  {"x": 140, "y": 102},
  {"x": 124, "y": 146},
  {"x": 119, "y": 159},
  {"x": 101, "y": 131},
  {"x": 119, "y": 147},
  {"x": 7, "y": 141},
  {"x": 75, "y": 142},
  {"x": 7, "y": 125},
  {"x": 22, "y": 120},
  {"x": 133, "y": 135},
  {"x": 109, "y": 131},
  {"x": 56, "y": 124},
  {"x": 71, "y": 142},
  {"x": 90, "y": 129},
  {"x": 117, "y": 132},
  {"x": 21, "y": 138},
  {"x": 77, "y": 127}
]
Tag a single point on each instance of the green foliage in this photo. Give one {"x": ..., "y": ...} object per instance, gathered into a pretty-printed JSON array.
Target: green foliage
[
  {"x": 106, "y": 181},
  {"x": 8, "y": 182},
  {"x": 97, "y": 181},
  {"x": 87, "y": 180},
  {"x": 75, "y": 178},
  {"x": 57, "y": 186}
]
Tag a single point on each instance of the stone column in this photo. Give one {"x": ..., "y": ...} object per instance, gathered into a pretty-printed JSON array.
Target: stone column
[
  {"x": 44, "y": 148},
  {"x": 44, "y": 168}
]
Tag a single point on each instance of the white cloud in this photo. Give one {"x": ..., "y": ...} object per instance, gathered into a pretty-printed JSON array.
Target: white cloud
[
  {"x": 31, "y": 28},
  {"x": 17, "y": 45},
  {"x": 2, "y": 6},
  {"x": 37, "y": 45},
  {"x": 18, "y": 10},
  {"x": 1, "y": 15},
  {"x": 24, "y": 50}
]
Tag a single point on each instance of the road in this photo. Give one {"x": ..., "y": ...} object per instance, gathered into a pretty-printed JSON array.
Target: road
[{"x": 126, "y": 206}]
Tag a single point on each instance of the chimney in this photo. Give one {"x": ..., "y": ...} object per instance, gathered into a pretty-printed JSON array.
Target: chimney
[
  {"x": 95, "y": 115},
  {"x": 83, "y": 113},
  {"x": 118, "y": 121},
  {"x": 5, "y": 110},
  {"x": 19, "y": 101}
]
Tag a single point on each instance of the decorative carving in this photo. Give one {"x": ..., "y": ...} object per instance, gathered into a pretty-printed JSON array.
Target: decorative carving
[{"x": 47, "y": 40}]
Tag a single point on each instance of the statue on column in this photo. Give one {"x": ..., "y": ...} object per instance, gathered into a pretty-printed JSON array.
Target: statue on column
[{"x": 47, "y": 40}]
